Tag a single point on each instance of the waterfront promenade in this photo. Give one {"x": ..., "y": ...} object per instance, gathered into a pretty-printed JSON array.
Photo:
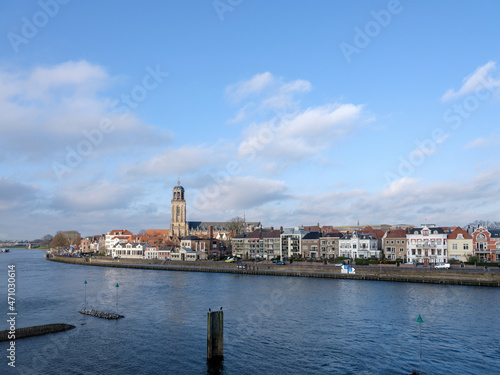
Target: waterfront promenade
[{"x": 455, "y": 276}]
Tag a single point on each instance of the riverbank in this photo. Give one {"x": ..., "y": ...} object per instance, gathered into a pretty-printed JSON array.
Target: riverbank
[
  {"x": 21, "y": 333},
  {"x": 395, "y": 274}
]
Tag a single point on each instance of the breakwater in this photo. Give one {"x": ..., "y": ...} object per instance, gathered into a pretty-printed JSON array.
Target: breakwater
[
  {"x": 21, "y": 333},
  {"x": 410, "y": 275},
  {"x": 101, "y": 314}
]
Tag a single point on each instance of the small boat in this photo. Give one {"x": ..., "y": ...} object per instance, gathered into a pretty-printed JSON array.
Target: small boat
[{"x": 5, "y": 250}]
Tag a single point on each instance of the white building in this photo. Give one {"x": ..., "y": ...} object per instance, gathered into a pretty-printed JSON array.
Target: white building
[
  {"x": 129, "y": 250},
  {"x": 185, "y": 254},
  {"x": 290, "y": 242},
  {"x": 151, "y": 252},
  {"x": 359, "y": 245},
  {"x": 427, "y": 245},
  {"x": 116, "y": 234}
]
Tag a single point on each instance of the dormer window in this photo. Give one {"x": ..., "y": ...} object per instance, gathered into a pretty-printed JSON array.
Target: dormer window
[{"x": 460, "y": 236}]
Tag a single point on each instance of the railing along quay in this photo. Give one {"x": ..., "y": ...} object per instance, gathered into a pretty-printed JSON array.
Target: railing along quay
[{"x": 403, "y": 274}]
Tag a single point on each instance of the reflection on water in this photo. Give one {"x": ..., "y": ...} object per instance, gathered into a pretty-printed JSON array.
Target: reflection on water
[
  {"x": 275, "y": 325},
  {"x": 215, "y": 366}
]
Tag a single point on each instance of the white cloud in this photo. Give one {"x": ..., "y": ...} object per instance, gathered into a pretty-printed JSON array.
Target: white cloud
[
  {"x": 47, "y": 109},
  {"x": 15, "y": 195},
  {"x": 407, "y": 200},
  {"x": 254, "y": 85},
  {"x": 181, "y": 162},
  {"x": 239, "y": 193},
  {"x": 265, "y": 93},
  {"x": 483, "y": 142},
  {"x": 480, "y": 79},
  {"x": 95, "y": 196},
  {"x": 303, "y": 134}
]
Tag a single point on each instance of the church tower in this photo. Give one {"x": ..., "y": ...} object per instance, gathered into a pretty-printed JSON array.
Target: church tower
[{"x": 179, "y": 226}]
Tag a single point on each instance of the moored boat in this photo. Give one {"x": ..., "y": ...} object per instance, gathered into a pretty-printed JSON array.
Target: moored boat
[{"x": 5, "y": 250}]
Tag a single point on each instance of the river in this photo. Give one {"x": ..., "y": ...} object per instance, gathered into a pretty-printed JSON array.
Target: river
[{"x": 272, "y": 325}]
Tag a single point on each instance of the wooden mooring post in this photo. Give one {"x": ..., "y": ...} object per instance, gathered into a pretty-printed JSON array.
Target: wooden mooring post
[{"x": 215, "y": 334}]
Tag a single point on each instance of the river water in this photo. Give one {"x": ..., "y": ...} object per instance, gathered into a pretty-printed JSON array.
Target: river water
[{"x": 272, "y": 325}]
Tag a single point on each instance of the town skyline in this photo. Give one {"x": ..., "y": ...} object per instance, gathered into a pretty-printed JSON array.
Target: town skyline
[{"x": 329, "y": 113}]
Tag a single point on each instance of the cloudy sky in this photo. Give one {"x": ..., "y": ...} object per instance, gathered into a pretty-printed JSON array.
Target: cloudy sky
[{"x": 290, "y": 112}]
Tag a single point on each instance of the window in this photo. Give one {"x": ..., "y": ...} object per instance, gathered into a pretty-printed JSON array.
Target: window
[
  {"x": 466, "y": 246},
  {"x": 392, "y": 242},
  {"x": 460, "y": 236},
  {"x": 454, "y": 246}
]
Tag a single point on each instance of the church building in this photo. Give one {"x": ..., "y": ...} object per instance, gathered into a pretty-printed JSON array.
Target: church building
[{"x": 180, "y": 227}]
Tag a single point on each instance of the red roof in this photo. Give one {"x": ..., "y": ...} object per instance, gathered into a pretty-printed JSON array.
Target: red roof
[
  {"x": 397, "y": 233},
  {"x": 453, "y": 235},
  {"x": 120, "y": 232}
]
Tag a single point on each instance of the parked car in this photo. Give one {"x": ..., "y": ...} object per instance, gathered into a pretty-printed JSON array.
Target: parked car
[
  {"x": 241, "y": 266},
  {"x": 442, "y": 265},
  {"x": 338, "y": 265},
  {"x": 280, "y": 263},
  {"x": 230, "y": 260},
  {"x": 410, "y": 263}
]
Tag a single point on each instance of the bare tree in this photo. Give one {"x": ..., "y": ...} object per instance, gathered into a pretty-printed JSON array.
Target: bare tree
[
  {"x": 73, "y": 237},
  {"x": 236, "y": 225},
  {"x": 485, "y": 224},
  {"x": 47, "y": 239}
]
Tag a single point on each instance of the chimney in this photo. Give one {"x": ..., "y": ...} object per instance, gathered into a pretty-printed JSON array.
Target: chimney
[{"x": 210, "y": 231}]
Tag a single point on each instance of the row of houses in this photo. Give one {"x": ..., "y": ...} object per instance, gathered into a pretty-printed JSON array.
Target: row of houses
[
  {"x": 156, "y": 244},
  {"x": 427, "y": 244}
]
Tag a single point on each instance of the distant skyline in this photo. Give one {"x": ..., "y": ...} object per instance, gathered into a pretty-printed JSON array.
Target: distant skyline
[{"x": 289, "y": 112}]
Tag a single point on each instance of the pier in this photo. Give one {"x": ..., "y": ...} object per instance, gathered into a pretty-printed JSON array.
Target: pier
[
  {"x": 21, "y": 333},
  {"x": 101, "y": 314}
]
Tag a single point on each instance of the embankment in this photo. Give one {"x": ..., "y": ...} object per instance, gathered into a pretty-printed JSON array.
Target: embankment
[
  {"x": 21, "y": 333},
  {"x": 397, "y": 274}
]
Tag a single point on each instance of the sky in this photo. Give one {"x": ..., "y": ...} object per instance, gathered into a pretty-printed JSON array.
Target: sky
[{"x": 287, "y": 112}]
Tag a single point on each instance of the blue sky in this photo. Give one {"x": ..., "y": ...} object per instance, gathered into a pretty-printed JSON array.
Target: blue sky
[{"x": 290, "y": 112}]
